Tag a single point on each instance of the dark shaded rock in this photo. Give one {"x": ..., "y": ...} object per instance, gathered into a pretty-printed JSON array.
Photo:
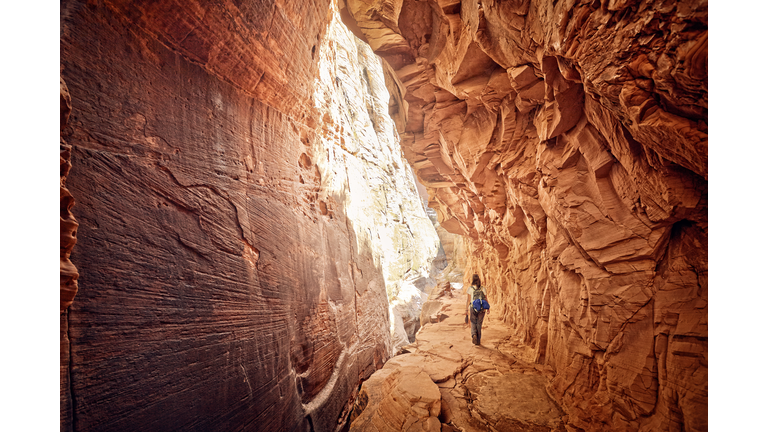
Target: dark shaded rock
[{"x": 67, "y": 221}]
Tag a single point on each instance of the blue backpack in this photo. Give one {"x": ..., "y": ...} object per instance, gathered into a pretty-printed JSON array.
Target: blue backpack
[{"x": 478, "y": 300}]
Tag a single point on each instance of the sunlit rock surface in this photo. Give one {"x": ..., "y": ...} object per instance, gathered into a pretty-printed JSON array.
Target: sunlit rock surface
[
  {"x": 244, "y": 207},
  {"x": 452, "y": 248},
  {"x": 568, "y": 141},
  {"x": 414, "y": 293},
  {"x": 361, "y": 158},
  {"x": 405, "y": 310}
]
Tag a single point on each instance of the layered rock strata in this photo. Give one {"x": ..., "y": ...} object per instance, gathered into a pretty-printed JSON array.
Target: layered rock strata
[
  {"x": 243, "y": 207},
  {"x": 567, "y": 141}
]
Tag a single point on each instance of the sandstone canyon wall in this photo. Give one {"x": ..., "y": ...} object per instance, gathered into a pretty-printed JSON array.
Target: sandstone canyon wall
[
  {"x": 567, "y": 140},
  {"x": 67, "y": 270},
  {"x": 360, "y": 154},
  {"x": 244, "y": 207}
]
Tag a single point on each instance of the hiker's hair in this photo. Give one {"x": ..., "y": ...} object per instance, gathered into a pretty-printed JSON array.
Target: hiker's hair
[{"x": 476, "y": 280}]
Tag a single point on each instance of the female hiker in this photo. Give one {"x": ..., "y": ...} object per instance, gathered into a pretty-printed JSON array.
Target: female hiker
[{"x": 473, "y": 312}]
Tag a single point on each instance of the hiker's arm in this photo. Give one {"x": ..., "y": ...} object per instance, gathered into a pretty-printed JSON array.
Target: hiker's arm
[{"x": 466, "y": 308}]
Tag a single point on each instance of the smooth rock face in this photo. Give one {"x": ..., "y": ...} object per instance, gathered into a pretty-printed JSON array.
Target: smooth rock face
[
  {"x": 230, "y": 277},
  {"x": 568, "y": 141},
  {"x": 362, "y": 166}
]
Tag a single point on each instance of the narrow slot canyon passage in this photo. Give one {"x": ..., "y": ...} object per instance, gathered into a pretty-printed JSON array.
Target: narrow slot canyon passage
[
  {"x": 271, "y": 213},
  {"x": 443, "y": 382}
]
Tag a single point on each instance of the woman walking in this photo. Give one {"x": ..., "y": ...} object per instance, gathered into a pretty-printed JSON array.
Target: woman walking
[{"x": 475, "y": 292}]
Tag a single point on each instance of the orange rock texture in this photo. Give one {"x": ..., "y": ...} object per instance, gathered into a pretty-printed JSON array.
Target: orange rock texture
[
  {"x": 568, "y": 141},
  {"x": 227, "y": 279}
]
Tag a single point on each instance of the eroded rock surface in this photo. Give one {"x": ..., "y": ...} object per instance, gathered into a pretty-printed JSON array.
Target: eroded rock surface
[
  {"x": 241, "y": 216},
  {"x": 568, "y": 141},
  {"x": 67, "y": 270},
  {"x": 68, "y": 224},
  {"x": 445, "y": 383}
]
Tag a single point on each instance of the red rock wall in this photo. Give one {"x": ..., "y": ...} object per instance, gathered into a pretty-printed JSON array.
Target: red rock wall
[
  {"x": 68, "y": 224},
  {"x": 215, "y": 292},
  {"x": 67, "y": 270},
  {"x": 568, "y": 141}
]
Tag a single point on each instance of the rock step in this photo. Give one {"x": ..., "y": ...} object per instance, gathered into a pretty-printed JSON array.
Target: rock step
[{"x": 442, "y": 382}]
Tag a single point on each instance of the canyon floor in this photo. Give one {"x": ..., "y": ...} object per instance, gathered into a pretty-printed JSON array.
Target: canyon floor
[{"x": 445, "y": 383}]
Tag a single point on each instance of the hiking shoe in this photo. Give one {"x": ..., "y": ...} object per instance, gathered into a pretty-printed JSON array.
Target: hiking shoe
[{"x": 474, "y": 339}]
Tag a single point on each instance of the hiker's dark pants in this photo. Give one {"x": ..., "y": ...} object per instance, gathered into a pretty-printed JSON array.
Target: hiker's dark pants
[{"x": 476, "y": 320}]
